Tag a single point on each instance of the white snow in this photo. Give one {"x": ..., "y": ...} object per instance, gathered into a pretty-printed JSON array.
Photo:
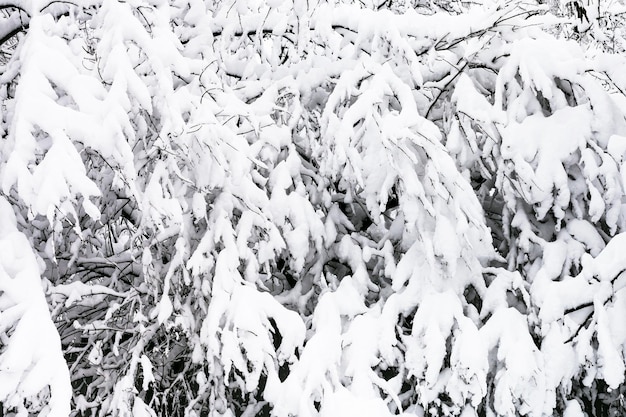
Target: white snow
[{"x": 32, "y": 359}]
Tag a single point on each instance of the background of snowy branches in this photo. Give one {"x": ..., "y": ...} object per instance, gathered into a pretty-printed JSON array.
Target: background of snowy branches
[{"x": 312, "y": 208}]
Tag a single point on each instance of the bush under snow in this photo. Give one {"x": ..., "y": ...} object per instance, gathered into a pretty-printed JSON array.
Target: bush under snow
[{"x": 341, "y": 208}]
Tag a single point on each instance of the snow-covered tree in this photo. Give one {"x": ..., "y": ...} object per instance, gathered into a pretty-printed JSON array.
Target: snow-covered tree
[{"x": 311, "y": 208}]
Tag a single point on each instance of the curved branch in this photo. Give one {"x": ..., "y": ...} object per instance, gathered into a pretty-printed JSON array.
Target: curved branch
[{"x": 71, "y": 3}]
